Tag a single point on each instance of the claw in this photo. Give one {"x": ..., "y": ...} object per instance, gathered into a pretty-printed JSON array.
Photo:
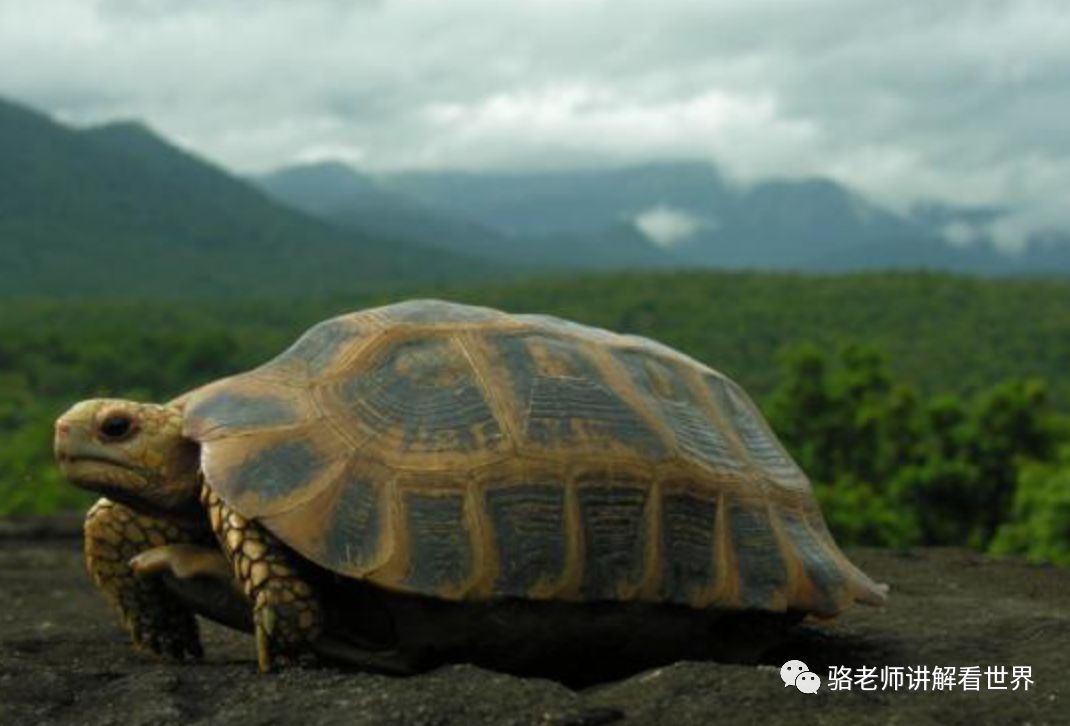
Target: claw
[
  {"x": 150, "y": 562},
  {"x": 263, "y": 649},
  {"x": 184, "y": 561}
]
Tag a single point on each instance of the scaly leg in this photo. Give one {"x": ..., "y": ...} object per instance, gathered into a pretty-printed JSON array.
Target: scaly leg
[
  {"x": 114, "y": 534},
  {"x": 203, "y": 578},
  {"x": 286, "y": 612}
]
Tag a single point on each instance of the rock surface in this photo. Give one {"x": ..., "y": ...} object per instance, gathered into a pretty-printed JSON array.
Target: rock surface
[{"x": 64, "y": 660}]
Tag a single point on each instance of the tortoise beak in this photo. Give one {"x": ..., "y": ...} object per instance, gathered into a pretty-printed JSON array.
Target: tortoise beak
[
  {"x": 75, "y": 444},
  {"x": 69, "y": 439}
]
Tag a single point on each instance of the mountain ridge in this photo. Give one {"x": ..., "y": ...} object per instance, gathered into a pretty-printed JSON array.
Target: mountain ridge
[
  {"x": 570, "y": 219},
  {"x": 117, "y": 209}
]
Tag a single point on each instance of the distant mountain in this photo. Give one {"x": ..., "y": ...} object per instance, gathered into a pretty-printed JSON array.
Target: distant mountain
[
  {"x": 340, "y": 195},
  {"x": 792, "y": 224},
  {"x": 615, "y": 246},
  {"x": 779, "y": 224},
  {"x": 357, "y": 201},
  {"x": 1046, "y": 252},
  {"x": 542, "y": 203},
  {"x": 669, "y": 214},
  {"x": 116, "y": 210}
]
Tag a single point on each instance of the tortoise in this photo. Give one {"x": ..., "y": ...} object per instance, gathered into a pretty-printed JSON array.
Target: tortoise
[{"x": 428, "y": 474}]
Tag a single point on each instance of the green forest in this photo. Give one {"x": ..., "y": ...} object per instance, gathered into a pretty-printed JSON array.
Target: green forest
[{"x": 927, "y": 408}]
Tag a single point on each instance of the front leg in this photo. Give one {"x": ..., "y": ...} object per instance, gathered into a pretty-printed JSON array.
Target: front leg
[
  {"x": 156, "y": 621},
  {"x": 287, "y": 616}
]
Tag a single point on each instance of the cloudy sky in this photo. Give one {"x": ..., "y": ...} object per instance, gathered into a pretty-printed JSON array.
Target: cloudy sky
[{"x": 964, "y": 101}]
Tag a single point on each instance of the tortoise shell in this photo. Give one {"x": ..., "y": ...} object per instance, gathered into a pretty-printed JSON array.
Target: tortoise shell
[{"x": 464, "y": 453}]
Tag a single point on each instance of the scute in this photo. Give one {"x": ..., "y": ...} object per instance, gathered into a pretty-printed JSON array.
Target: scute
[
  {"x": 355, "y": 524},
  {"x": 463, "y": 453},
  {"x": 821, "y": 571},
  {"x": 440, "y": 555},
  {"x": 665, "y": 390},
  {"x": 528, "y": 521},
  {"x": 418, "y": 395},
  {"x": 688, "y": 556},
  {"x": 762, "y": 572},
  {"x": 232, "y": 411},
  {"x": 277, "y": 471},
  {"x": 564, "y": 402},
  {"x": 434, "y": 312},
  {"x": 763, "y": 450},
  {"x": 319, "y": 348},
  {"x": 614, "y": 521}
]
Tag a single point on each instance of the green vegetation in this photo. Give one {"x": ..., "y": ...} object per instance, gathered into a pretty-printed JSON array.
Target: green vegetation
[
  {"x": 117, "y": 210},
  {"x": 1039, "y": 525},
  {"x": 926, "y": 408},
  {"x": 892, "y": 468}
]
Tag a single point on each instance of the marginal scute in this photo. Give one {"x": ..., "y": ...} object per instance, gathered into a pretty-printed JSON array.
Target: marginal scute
[
  {"x": 528, "y": 520},
  {"x": 276, "y": 471},
  {"x": 351, "y": 539},
  {"x": 762, "y": 573},
  {"x": 614, "y": 536},
  {"x": 688, "y": 532},
  {"x": 440, "y": 552},
  {"x": 820, "y": 569}
]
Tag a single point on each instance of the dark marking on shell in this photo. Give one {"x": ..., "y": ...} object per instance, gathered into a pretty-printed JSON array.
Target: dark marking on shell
[
  {"x": 758, "y": 439},
  {"x": 277, "y": 470},
  {"x": 688, "y": 535},
  {"x": 614, "y": 536},
  {"x": 566, "y": 398},
  {"x": 529, "y": 533},
  {"x": 352, "y": 536},
  {"x": 762, "y": 572},
  {"x": 665, "y": 390},
  {"x": 439, "y": 548},
  {"x": 426, "y": 390},
  {"x": 817, "y": 562},
  {"x": 236, "y": 411}
]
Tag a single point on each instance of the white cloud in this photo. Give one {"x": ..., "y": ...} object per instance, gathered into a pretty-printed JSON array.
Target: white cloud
[
  {"x": 964, "y": 102},
  {"x": 667, "y": 226},
  {"x": 574, "y": 123},
  {"x": 960, "y": 233}
]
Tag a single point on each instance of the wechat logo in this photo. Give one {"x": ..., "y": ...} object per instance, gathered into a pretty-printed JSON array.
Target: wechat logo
[{"x": 795, "y": 673}]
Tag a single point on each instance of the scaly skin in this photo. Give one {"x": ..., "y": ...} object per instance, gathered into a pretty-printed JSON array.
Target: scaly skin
[
  {"x": 286, "y": 612},
  {"x": 135, "y": 453},
  {"x": 114, "y": 534}
]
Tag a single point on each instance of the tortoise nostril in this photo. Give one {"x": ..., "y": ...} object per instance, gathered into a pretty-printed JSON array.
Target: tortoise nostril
[{"x": 62, "y": 428}]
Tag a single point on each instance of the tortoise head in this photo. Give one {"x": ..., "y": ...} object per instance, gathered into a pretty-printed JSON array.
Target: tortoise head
[{"x": 131, "y": 452}]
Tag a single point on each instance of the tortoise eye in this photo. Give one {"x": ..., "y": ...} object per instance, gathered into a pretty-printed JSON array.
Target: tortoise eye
[{"x": 116, "y": 427}]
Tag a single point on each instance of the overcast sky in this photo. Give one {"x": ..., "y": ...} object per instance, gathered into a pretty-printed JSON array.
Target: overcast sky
[{"x": 965, "y": 101}]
